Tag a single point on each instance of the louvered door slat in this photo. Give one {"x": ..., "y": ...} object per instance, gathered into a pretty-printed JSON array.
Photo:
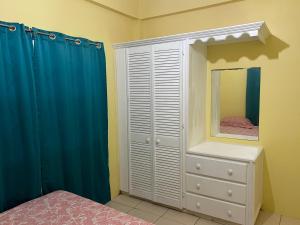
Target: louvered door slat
[
  {"x": 140, "y": 122},
  {"x": 167, "y": 75}
]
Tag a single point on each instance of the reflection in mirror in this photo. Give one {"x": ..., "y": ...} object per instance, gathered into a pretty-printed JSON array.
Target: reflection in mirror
[{"x": 235, "y": 103}]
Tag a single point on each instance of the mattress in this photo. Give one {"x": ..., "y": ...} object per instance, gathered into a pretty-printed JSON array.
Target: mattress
[
  {"x": 239, "y": 130},
  {"x": 64, "y": 208}
]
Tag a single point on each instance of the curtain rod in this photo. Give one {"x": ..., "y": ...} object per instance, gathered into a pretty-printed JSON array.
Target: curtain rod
[{"x": 52, "y": 36}]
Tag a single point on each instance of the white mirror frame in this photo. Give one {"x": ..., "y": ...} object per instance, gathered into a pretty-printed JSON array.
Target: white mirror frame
[{"x": 215, "y": 110}]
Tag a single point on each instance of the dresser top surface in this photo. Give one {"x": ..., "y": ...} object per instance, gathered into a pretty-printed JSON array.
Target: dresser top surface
[{"x": 227, "y": 151}]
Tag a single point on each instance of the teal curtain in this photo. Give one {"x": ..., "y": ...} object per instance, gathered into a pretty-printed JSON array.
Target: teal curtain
[
  {"x": 19, "y": 154},
  {"x": 253, "y": 95},
  {"x": 72, "y": 102}
]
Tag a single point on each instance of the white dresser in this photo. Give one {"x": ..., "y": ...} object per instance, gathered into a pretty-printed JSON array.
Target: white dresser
[{"x": 224, "y": 181}]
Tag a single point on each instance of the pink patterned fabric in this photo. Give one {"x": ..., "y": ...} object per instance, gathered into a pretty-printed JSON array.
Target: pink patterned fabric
[
  {"x": 64, "y": 208},
  {"x": 236, "y": 121},
  {"x": 239, "y": 130}
]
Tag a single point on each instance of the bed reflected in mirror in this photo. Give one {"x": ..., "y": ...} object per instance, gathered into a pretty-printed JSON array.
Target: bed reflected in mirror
[{"x": 235, "y": 103}]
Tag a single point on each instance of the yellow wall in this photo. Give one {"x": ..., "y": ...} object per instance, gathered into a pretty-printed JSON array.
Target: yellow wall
[
  {"x": 280, "y": 79},
  {"x": 155, "y": 8},
  {"x": 233, "y": 93},
  {"x": 127, "y": 7},
  {"x": 142, "y": 9},
  {"x": 85, "y": 19}
]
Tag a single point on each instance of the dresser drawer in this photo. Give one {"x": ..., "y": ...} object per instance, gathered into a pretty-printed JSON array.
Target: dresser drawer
[
  {"x": 224, "y": 169},
  {"x": 216, "y": 188},
  {"x": 216, "y": 208}
]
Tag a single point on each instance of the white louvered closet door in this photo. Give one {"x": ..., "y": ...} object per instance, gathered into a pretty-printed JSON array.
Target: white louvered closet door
[
  {"x": 139, "y": 60},
  {"x": 167, "y": 90}
]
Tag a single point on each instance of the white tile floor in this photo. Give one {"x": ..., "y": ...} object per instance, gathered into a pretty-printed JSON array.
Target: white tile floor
[{"x": 164, "y": 216}]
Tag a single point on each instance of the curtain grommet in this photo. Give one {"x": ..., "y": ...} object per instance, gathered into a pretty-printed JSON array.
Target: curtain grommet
[
  {"x": 99, "y": 45},
  {"x": 12, "y": 28},
  {"x": 52, "y": 36},
  {"x": 77, "y": 41}
]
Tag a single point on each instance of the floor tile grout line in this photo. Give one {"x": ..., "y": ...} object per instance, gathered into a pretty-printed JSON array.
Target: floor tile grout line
[
  {"x": 197, "y": 220},
  {"x": 141, "y": 201},
  {"x": 123, "y": 204},
  {"x": 167, "y": 209},
  {"x": 138, "y": 204},
  {"x": 130, "y": 210},
  {"x": 176, "y": 221},
  {"x": 280, "y": 220},
  {"x": 161, "y": 215},
  {"x": 135, "y": 207}
]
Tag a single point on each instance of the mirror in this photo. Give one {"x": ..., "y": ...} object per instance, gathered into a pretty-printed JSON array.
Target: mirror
[{"x": 235, "y": 103}]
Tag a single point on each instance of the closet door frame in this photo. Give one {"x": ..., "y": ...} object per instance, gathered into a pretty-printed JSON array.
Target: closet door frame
[
  {"x": 189, "y": 56},
  {"x": 185, "y": 107},
  {"x": 122, "y": 109}
]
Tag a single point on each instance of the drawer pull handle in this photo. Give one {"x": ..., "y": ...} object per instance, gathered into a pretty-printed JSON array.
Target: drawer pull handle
[
  {"x": 229, "y": 213},
  {"x": 198, "y": 166},
  {"x": 198, "y": 205},
  {"x": 230, "y": 172},
  {"x": 198, "y": 186},
  {"x": 229, "y": 192}
]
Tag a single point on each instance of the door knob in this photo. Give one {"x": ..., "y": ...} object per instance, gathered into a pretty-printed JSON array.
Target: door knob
[
  {"x": 157, "y": 141},
  {"x": 230, "y": 172},
  {"x": 229, "y": 213},
  {"x": 198, "y": 166},
  {"x": 198, "y": 205},
  {"x": 148, "y": 140},
  {"x": 198, "y": 186}
]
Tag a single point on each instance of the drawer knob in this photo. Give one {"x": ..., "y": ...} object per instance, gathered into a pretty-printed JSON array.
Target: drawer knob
[
  {"x": 198, "y": 205},
  {"x": 229, "y": 213},
  {"x": 230, "y": 172},
  {"x": 229, "y": 192},
  {"x": 198, "y": 186},
  {"x": 198, "y": 166}
]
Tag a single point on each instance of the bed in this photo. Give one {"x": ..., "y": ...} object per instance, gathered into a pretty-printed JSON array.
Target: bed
[
  {"x": 238, "y": 125},
  {"x": 64, "y": 208},
  {"x": 239, "y": 130}
]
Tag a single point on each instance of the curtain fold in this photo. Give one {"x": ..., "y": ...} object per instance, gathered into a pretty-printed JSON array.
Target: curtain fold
[
  {"x": 72, "y": 102},
  {"x": 20, "y": 178},
  {"x": 253, "y": 95}
]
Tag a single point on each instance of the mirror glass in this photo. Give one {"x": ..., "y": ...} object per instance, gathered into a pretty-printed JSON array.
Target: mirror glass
[{"x": 235, "y": 103}]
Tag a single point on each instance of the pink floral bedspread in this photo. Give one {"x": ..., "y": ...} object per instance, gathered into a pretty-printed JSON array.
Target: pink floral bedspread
[
  {"x": 239, "y": 130},
  {"x": 64, "y": 208}
]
